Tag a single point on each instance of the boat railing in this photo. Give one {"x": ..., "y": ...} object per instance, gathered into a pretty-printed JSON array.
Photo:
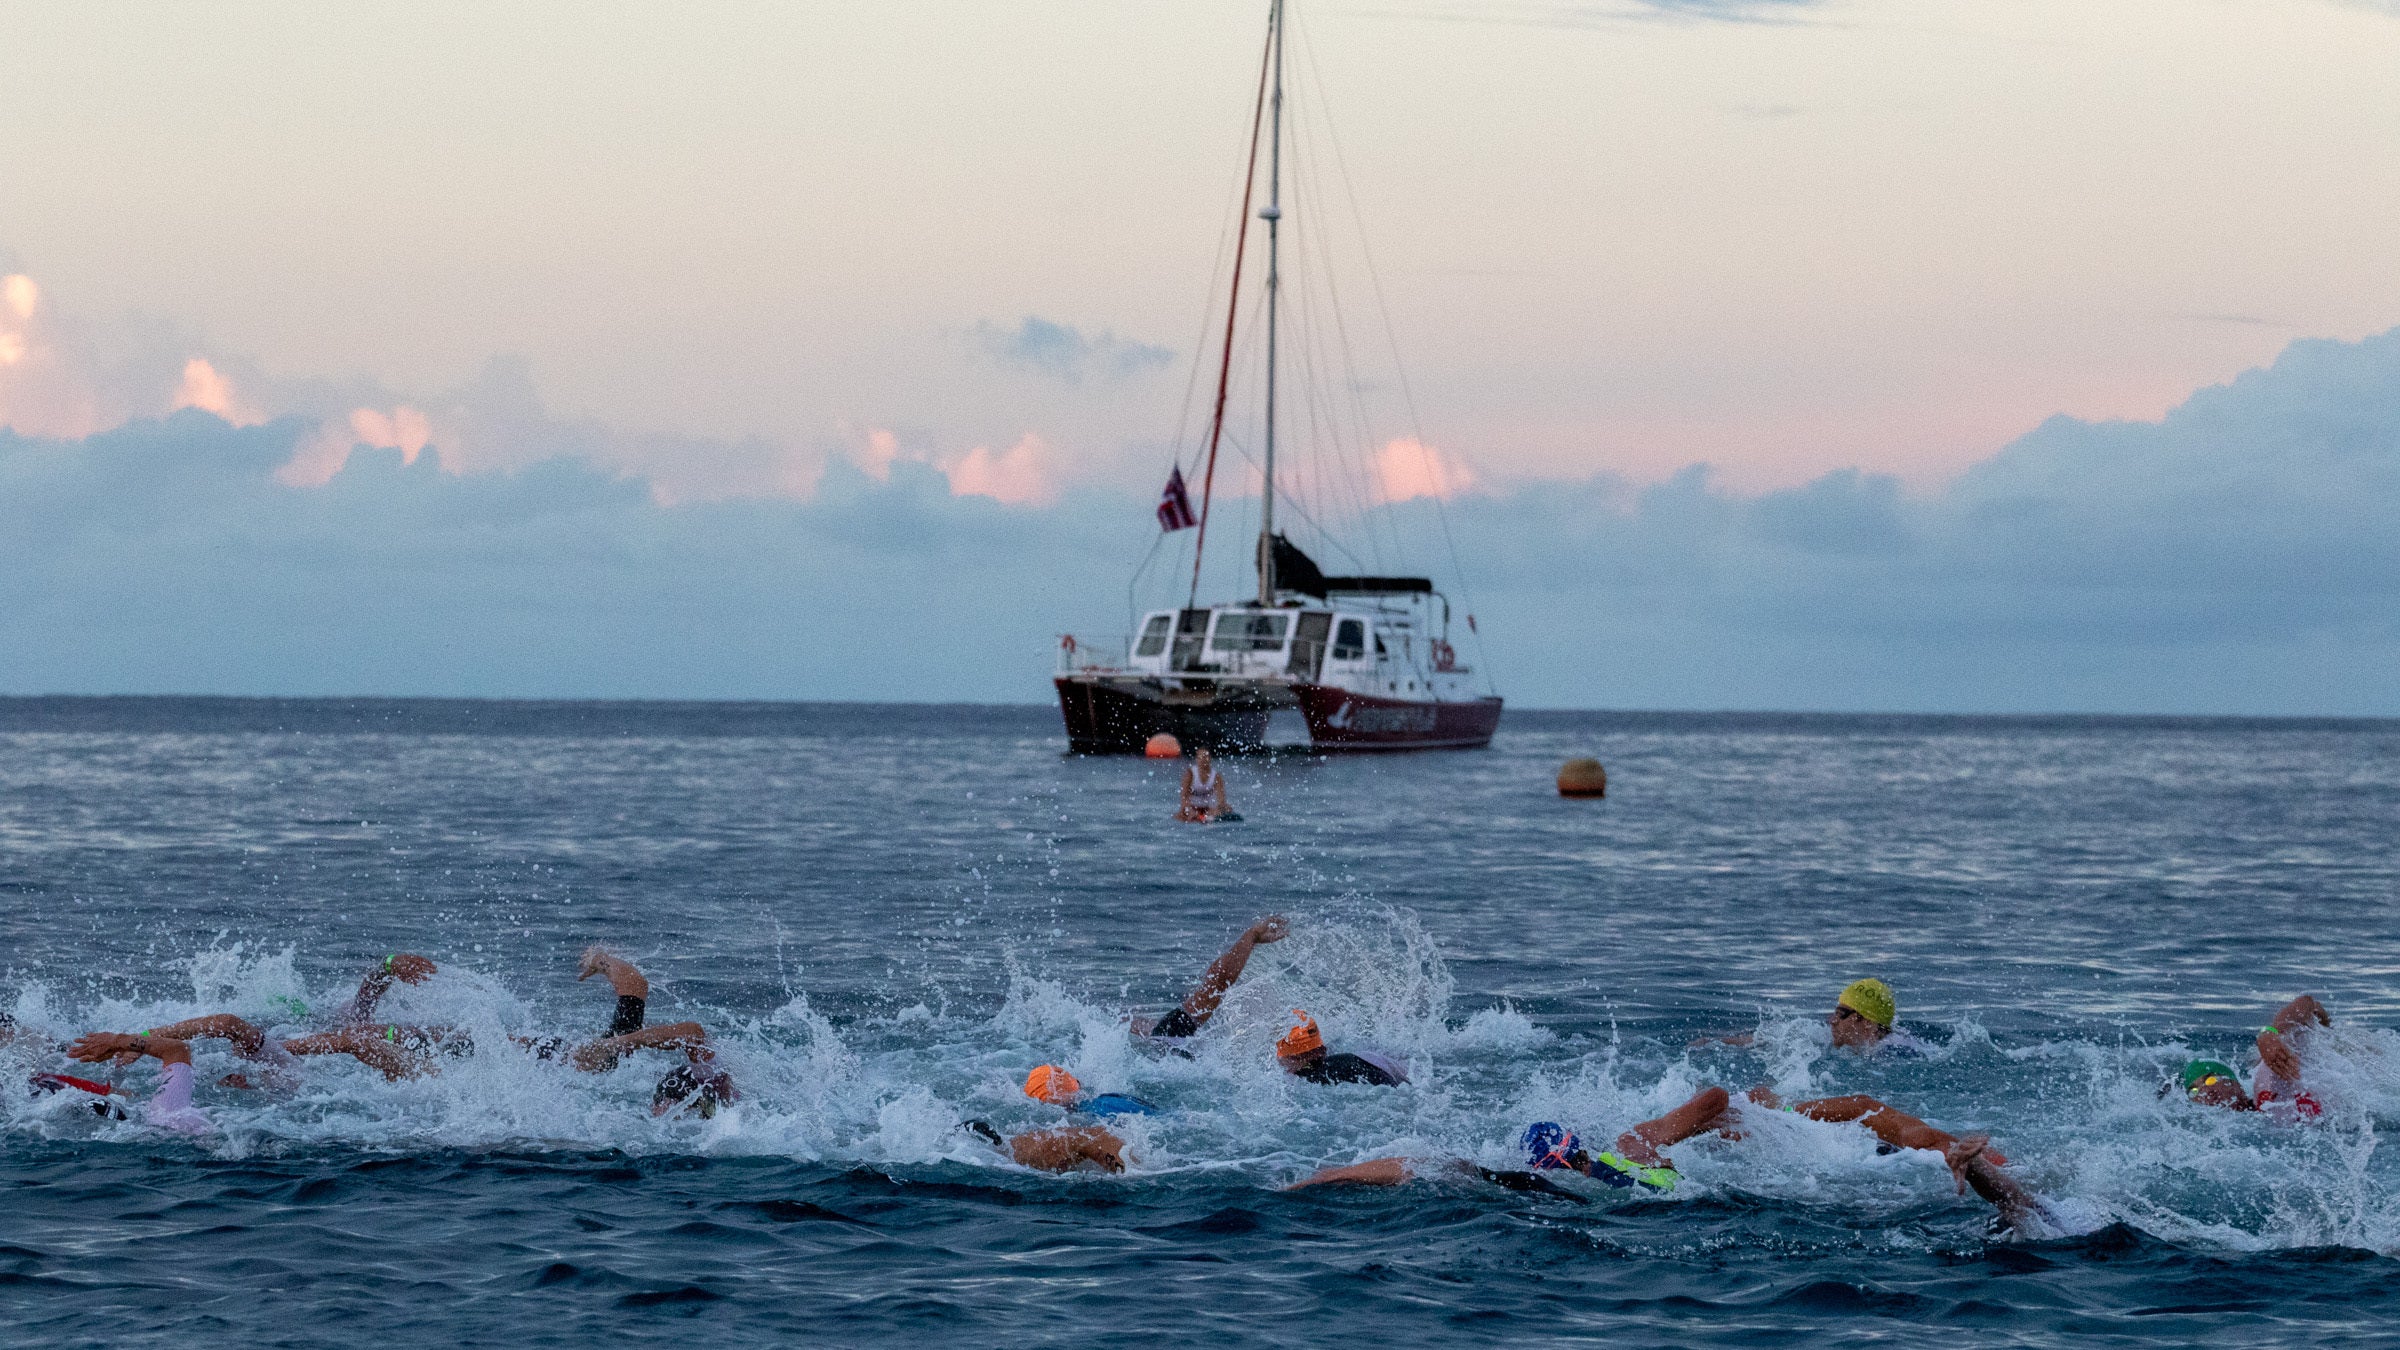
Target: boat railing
[{"x": 1079, "y": 653}]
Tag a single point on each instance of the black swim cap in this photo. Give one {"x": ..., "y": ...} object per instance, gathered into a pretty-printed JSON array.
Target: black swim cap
[{"x": 693, "y": 1089}]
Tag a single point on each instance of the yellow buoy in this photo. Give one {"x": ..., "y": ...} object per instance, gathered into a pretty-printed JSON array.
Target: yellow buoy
[
  {"x": 1163, "y": 746},
  {"x": 1582, "y": 778}
]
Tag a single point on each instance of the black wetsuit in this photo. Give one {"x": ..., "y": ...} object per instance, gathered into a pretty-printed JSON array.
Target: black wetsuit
[
  {"x": 1177, "y": 1024},
  {"x": 1346, "y": 1069},
  {"x": 631, "y": 1009}
]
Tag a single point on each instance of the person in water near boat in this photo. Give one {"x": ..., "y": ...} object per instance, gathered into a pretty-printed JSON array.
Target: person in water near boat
[
  {"x": 1053, "y": 1085},
  {"x": 170, "y": 1108},
  {"x": 1636, "y": 1162},
  {"x": 1193, "y": 1013},
  {"x": 2276, "y": 1088},
  {"x": 1203, "y": 794},
  {"x": 1058, "y": 1148},
  {"x": 1301, "y": 1053},
  {"x": 1865, "y": 1019}
]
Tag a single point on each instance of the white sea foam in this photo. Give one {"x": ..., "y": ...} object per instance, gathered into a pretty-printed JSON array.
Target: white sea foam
[{"x": 2094, "y": 1136}]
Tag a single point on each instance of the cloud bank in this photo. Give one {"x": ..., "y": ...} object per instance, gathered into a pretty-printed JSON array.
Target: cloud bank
[
  {"x": 1064, "y": 352},
  {"x": 2242, "y": 555}
]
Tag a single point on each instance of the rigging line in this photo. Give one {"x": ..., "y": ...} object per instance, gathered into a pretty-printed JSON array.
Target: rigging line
[
  {"x": 1363, "y": 448},
  {"x": 1338, "y": 485},
  {"x": 1233, "y": 304},
  {"x": 1133, "y": 608},
  {"x": 1392, "y": 335},
  {"x": 1311, "y": 521},
  {"x": 1191, "y": 385},
  {"x": 1359, "y": 457}
]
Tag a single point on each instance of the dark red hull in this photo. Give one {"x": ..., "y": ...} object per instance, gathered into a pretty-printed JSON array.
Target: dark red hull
[{"x": 1341, "y": 720}]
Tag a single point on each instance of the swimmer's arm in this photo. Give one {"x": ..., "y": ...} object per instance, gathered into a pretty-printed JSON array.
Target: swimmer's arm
[
  {"x": 1062, "y": 1149},
  {"x": 2275, "y": 1049},
  {"x": 1894, "y": 1127},
  {"x": 375, "y": 1051},
  {"x": 99, "y": 1046},
  {"x": 601, "y": 1055},
  {"x": 2300, "y": 1012},
  {"x": 406, "y": 967},
  {"x": 245, "y": 1038},
  {"x": 1378, "y": 1172},
  {"x": 623, "y": 976}
]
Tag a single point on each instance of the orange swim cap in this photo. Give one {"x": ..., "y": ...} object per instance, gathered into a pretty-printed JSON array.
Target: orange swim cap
[
  {"x": 1052, "y": 1084},
  {"x": 1300, "y": 1039}
]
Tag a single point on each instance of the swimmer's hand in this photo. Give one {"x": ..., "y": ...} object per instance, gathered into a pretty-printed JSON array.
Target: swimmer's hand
[
  {"x": 410, "y": 968},
  {"x": 1765, "y": 1096},
  {"x": 1962, "y": 1154},
  {"x": 1273, "y": 928}
]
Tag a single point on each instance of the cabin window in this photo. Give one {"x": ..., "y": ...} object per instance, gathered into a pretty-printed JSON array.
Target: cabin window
[
  {"x": 1249, "y": 632},
  {"x": 1350, "y": 640},
  {"x": 1154, "y": 635}
]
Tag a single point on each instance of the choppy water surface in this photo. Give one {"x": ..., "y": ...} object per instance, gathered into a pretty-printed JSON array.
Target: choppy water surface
[{"x": 889, "y": 914}]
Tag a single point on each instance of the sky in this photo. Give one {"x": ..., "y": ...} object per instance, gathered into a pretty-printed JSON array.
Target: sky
[{"x": 1858, "y": 354}]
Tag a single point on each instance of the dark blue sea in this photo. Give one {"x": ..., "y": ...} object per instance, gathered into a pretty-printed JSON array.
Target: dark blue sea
[{"x": 887, "y": 915}]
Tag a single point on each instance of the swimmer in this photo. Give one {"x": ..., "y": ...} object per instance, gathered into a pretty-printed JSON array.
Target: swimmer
[
  {"x": 406, "y": 967},
  {"x": 1061, "y": 1148},
  {"x": 395, "y": 1051},
  {"x": 632, "y": 989},
  {"x": 1055, "y": 1086},
  {"x": 696, "y": 1086},
  {"x": 1301, "y": 1053},
  {"x": 1202, "y": 797},
  {"x": 170, "y": 1108},
  {"x": 1636, "y": 1162},
  {"x": 1864, "y": 1019},
  {"x": 1195, "y": 1010},
  {"x": 43, "y": 1083},
  {"x": 2276, "y": 1087}
]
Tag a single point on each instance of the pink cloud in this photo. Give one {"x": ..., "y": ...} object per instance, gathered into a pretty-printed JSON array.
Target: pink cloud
[
  {"x": 322, "y": 456},
  {"x": 204, "y": 388},
  {"x": 1407, "y": 468},
  {"x": 1017, "y": 476}
]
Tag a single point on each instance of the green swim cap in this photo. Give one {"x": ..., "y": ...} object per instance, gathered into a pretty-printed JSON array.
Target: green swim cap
[
  {"x": 2197, "y": 1073},
  {"x": 1872, "y": 1000}
]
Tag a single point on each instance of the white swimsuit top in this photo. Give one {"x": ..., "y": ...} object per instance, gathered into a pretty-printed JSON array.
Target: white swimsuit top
[{"x": 1202, "y": 787}]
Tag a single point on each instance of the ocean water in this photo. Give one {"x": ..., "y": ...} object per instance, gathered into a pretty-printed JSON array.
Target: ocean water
[{"x": 886, "y": 915}]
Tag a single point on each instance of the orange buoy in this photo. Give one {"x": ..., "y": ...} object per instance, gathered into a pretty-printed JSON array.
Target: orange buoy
[
  {"x": 1582, "y": 778},
  {"x": 1162, "y": 746}
]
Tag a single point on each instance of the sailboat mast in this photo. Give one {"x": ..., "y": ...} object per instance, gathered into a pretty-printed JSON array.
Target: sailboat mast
[{"x": 1272, "y": 213}]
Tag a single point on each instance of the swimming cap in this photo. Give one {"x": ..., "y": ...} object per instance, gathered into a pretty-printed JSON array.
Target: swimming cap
[
  {"x": 1052, "y": 1084},
  {"x": 1547, "y": 1143},
  {"x": 1300, "y": 1039},
  {"x": 1872, "y": 1000},
  {"x": 2201, "y": 1073},
  {"x": 695, "y": 1089}
]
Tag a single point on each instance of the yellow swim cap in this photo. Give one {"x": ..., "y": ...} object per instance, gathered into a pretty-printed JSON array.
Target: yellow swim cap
[{"x": 1872, "y": 1000}]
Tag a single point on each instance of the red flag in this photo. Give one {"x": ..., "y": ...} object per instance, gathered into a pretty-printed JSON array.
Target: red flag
[{"x": 1175, "y": 505}]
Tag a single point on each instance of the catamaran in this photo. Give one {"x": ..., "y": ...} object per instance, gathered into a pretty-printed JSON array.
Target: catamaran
[{"x": 1366, "y": 660}]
